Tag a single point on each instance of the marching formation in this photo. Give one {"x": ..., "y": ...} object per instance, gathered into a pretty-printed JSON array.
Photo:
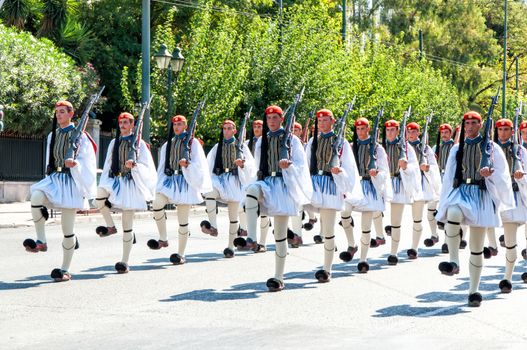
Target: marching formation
[{"x": 470, "y": 184}]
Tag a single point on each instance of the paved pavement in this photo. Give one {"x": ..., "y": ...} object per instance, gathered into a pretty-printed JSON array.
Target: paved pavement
[{"x": 218, "y": 303}]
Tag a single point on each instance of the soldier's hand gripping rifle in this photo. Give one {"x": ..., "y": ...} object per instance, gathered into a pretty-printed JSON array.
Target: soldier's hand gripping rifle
[
  {"x": 241, "y": 135},
  {"x": 285, "y": 143},
  {"x": 304, "y": 137},
  {"x": 425, "y": 140},
  {"x": 402, "y": 135},
  {"x": 336, "y": 147},
  {"x": 138, "y": 128},
  {"x": 486, "y": 144},
  {"x": 516, "y": 139},
  {"x": 185, "y": 154},
  {"x": 75, "y": 136},
  {"x": 372, "y": 164}
]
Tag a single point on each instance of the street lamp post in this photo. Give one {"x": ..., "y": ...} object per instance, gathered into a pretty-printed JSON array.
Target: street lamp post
[{"x": 174, "y": 63}]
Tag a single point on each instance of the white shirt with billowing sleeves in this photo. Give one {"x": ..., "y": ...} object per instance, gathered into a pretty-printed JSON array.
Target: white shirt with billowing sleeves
[
  {"x": 346, "y": 182},
  {"x": 59, "y": 188},
  {"x": 232, "y": 187},
  {"x": 186, "y": 187},
  {"x": 374, "y": 200},
  {"x": 410, "y": 180},
  {"x": 130, "y": 193},
  {"x": 431, "y": 179},
  {"x": 481, "y": 208},
  {"x": 286, "y": 200}
]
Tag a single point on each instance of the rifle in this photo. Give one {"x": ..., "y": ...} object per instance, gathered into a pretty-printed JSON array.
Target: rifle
[
  {"x": 486, "y": 161},
  {"x": 285, "y": 142},
  {"x": 75, "y": 136},
  {"x": 138, "y": 128},
  {"x": 402, "y": 136},
  {"x": 241, "y": 134},
  {"x": 372, "y": 165},
  {"x": 305, "y": 132},
  {"x": 516, "y": 139},
  {"x": 425, "y": 140},
  {"x": 336, "y": 147},
  {"x": 185, "y": 154}
]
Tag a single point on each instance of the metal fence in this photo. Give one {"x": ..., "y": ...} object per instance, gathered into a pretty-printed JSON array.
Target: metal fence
[{"x": 22, "y": 158}]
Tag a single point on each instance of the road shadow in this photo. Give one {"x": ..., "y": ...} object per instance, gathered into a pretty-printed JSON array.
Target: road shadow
[
  {"x": 39, "y": 280},
  {"x": 245, "y": 290}
]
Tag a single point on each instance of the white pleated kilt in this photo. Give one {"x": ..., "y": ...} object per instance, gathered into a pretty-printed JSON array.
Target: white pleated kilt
[
  {"x": 399, "y": 193},
  {"x": 178, "y": 191},
  {"x": 124, "y": 194},
  {"x": 372, "y": 201},
  {"x": 229, "y": 187},
  {"x": 517, "y": 215},
  {"x": 326, "y": 194},
  {"x": 277, "y": 200},
  {"x": 61, "y": 191},
  {"x": 476, "y": 204},
  {"x": 428, "y": 191}
]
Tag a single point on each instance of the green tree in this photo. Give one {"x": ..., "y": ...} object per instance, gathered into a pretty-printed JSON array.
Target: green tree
[{"x": 34, "y": 74}]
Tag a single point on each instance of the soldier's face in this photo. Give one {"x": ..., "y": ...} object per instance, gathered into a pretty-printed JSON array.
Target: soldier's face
[
  {"x": 446, "y": 135},
  {"x": 125, "y": 126},
  {"x": 228, "y": 131},
  {"x": 504, "y": 133},
  {"x": 179, "y": 127},
  {"x": 257, "y": 130},
  {"x": 274, "y": 121},
  {"x": 325, "y": 124},
  {"x": 392, "y": 132},
  {"x": 63, "y": 115},
  {"x": 413, "y": 134},
  {"x": 297, "y": 132},
  {"x": 472, "y": 127},
  {"x": 362, "y": 131},
  {"x": 524, "y": 135}
]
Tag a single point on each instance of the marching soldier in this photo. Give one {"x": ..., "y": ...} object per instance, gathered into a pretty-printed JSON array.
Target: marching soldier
[
  {"x": 472, "y": 193},
  {"x": 125, "y": 184},
  {"x": 374, "y": 175},
  {"x": 265, "y": 221},
  {"x": 430, "y": 185},
  {"x": 283, "y": 187},
  {"x": 330, "y": 182},
  {"x": 181, "y": 179},
  {"x": 513, "y": 218},
  {"x": 406, "y": 183},
  {"x": 70, "y": 180},
  {"x": 230, "y": 175}
]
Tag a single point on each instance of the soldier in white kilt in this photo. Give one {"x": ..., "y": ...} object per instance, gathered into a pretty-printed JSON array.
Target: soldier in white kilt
[
  {"x": 513, "y": 218},
  {"x": 67, "y": 186},
  {"x": 374, "y": 186},
  {"x": 430, "y": 184},
  {"x": 406, "y": 183},
  {"x": 126, "y": 184},
  {"x": 474, "y": 196},
  {"x": 180, "y": 181},
  {"x": 330, "y": 182},
  {"x": 283, "y": 187},
  {"x": 230, "y": 175}
]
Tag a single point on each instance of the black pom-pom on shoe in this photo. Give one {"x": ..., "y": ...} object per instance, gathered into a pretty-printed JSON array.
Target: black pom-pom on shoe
[
  {"x": 475, "y": 299},
  {"x": 153, "y": 244},
  {"x": 240, "y": 242},
  {"x": 524, "y": 277},
  {"x": 30, "y": 244},
  {"x": 502, "y": 241},
  {"x": 228, "y": 253},
  {"x": 388, "y": 230},
  {"x": 322, "y": 276},
  {"x": 462, "y": 244},
  {"x": 444, "y": 248},
  {"x": 393, "y": 260},
  {"x": 373, "y": 243},
  {"x": 274, "y": 285},
  {"x": 505, "y": 286},
  {"x": 177, "y": 259},
  {"x": 412, "y": 254},
  {"x": 317, "y": 239},
  {"x": 121, "y": 267},
  {"x": 363, "y": 267},
  {"x": 448, "y": 268},
  {"x": 524, "y": 254}
]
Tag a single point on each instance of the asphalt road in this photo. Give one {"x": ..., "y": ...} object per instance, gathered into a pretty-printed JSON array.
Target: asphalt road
[{"x": 217, "y": 303}]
